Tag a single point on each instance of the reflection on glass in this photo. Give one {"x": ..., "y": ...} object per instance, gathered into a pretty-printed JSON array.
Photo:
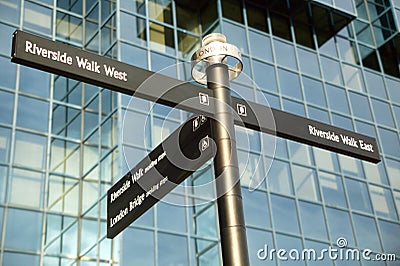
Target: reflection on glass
[
  {"x": 284, "y": 214},
  {"x": 21, "y": 226},
  {"x": 390, "y": 236},
  {"x": 26, "y": 188},
  {"x": 337, "y": 99},
  {"x": 135, "y": 252},
  {"x": 37, "y": 120},
  {"x": 332, "y": 189},
  {"x": 314, "y": 227},
  {"x": 160, "y": 10},
  {"x": 339, "y": 225},
  {"x": 136, "y": 31},
  {"x": 332, "y": 71},
  {"x": 69, "y": 28},
  {"x": 383, "y": 203},
  {"x": 30, "y": 150},
  {"x": 162, "y": 38},
  {"x": 289, "y": 84},
  {"x": 256, "y": 209},
  {"x": 279, "y": 178},
  {"x": 360, "y": 106},
  {"x": 167, "y": 245},
  {"x": 37, "y": 17},
  {"x": 358, "y": 195},
  {"x": 305, "y": 183},
  {"x": 366, "y": 233},
  {"x": 284, "y": 54}
]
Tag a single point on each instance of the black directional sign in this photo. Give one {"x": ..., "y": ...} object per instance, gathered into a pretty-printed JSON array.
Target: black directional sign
[
  {"x": 81, "y": 65},
  {"x": 170, "y": 163}
]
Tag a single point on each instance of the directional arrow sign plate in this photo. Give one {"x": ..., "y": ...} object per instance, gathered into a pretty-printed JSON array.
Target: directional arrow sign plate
[{"x": 171, "y": 162}]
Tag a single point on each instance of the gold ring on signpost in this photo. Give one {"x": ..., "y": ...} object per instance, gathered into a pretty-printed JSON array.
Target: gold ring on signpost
[{"x": 215, "y": 50}]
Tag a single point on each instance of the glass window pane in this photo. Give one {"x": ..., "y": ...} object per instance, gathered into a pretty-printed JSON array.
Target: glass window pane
[
  {"x": 339, "y": 225},
  {"x": 331, "y": 69},
  {"x": 10, "y": 11},
  {"x": 37, "y": 18},
  {"x": 332, "y": 189},
  {"x": 288, "y": 243},
  {"x": 366, "y": 233},
  {"x": 260, "y": 46},
  {"x": 375, "y": 86},
  {"x": 393, "y": 171},
  {"x": 167, "y": 247},
  {"x": 134, "y": 252},
  {"x": 21, "y": 226},
  {"x": 187, "y": 19},
  {"x": 279, "y": 178},
  {"x": 318, "y": 114},
  {"x": 326, "y": 160},
  {"x": 284, "y": 54},
  {"x": 382, "y": 112},
  {"x": 133, "y": 55},
  {"x": 187, "y": 45},
  {"x": 30, "y": 150},
  {"x": 284, "y": 214},
  {"x": 264, "y": 75},
  {"x": 308, "y": 62},
  {"x": 351, "y": 166},
  {"x": 250, "y": 169},
  {"x": 167, "y": 213},
  {"x": 136, "y": 31},
  {"x": 5, "y": 138},
  {"x": 389, "y": 141},
  {"x": 390, "y": 233},
  {"x": 300, "y": 153},
  {"x": 34, "y": 81},
  {"x": 237, "y": 36},
  {"x": 337, "y": 99},
  {"x": 393, "y": 89},
  {"x": 255, "y": 207},
  {"x": 376, "y": 173},
  {"x": 358, "y": 195},
  {"x": 6, "y": 107},
  {"x": 256, "y": 240},
  {"x": 69, "y": 27},
  {"x": 160, "y": 10},
  {"x": 352, "y": 78},
  {"x": 20, "y": 259},
  {"x": 342, "y": 121},
  {"x": 3, "y": 187},
  {"x": 5, "y": 30},
  {"x": 305, "y": 183},
  {"x": 37, "y": 120},
  {"x": 360, "y": 106},
  {"x": 314, "y": 91},
  {"x": 383, "y": 203},
  {"x": 315, "y": 226},
  {"x": 293, "y": 107},
  {"x": 289, "y": 84},
  {"x": 7, "y": 73},
  {"x": 347, "y": 50},
  {"x": 26, "y": 188},
  {"x": 318, "y": 247}
]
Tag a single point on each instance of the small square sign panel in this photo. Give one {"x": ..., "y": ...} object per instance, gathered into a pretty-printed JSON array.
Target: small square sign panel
[
  {"x": 204, "y": 143},
  {"x": 241, "y": 109},
  {"x": 204, "y": 99}
]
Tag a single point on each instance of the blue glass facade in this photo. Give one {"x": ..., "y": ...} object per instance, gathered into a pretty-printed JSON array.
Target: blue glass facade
[{"x": 62, "y": 147}]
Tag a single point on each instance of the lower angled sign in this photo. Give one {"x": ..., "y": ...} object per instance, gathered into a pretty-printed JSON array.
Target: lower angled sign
[{"x": 170, "y": 163}]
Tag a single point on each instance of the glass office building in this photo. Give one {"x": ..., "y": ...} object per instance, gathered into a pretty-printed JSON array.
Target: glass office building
[{"x": 61, "y": 143}]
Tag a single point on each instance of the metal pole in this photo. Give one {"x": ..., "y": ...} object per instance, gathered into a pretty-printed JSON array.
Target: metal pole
[{"x": 230, "y": 207}]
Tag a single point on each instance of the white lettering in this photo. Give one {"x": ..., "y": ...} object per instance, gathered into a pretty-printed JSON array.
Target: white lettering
[
  {"x": 112, "y": 72},
  {"x": 34, "y": 49}
]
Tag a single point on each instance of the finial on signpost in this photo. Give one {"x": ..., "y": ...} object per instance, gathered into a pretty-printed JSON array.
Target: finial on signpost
[{"x": 215, "y": 50}]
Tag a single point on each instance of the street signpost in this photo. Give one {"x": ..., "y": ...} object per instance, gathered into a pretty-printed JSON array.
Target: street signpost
[
  {"x": 139, "y": 189},
  {"x": 164, "y": 168}
]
